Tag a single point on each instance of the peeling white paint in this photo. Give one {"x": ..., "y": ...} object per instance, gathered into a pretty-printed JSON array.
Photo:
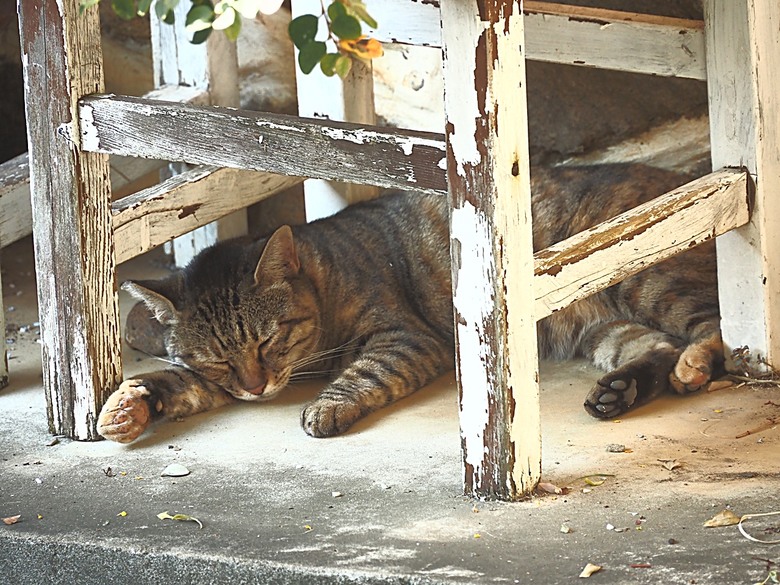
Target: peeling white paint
[
  {"x": 363, "y": 136},
  {"x": 473, "y": 303},
  {"x": 283, "y": 127},
  {"x": 90, "y": 141},
  {"x": 461, "y": 37}
]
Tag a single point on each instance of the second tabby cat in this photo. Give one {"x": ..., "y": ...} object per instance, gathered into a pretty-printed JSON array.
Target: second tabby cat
[{"x": 364, "y": 296}]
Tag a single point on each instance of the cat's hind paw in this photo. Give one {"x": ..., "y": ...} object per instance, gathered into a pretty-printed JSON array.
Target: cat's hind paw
[
  {"x": 692, "y": 371},
  {"x": 125, "y": 415},
  {"x": 326, "y": 417},
  {"x": 611, "y": 396}
]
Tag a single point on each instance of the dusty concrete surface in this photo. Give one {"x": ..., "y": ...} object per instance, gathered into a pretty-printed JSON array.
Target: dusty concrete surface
[{"x": 264, "y": 491}]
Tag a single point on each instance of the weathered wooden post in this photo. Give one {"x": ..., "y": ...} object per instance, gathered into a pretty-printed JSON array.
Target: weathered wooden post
[
  {"x": 742, "y": 52},
  {"x": 74, "y": 254},
  {"x": 491, "y": 240}
]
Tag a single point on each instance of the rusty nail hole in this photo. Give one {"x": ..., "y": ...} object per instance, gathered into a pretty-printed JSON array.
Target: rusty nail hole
[{"x": 515, "y": 169}]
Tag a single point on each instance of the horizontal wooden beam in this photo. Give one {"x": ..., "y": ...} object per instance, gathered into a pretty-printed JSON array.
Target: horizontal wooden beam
[
  {"x": 287, "y": 145},
  {"x": 559, "y": 33},
  {"x": 15, "y": 208},
  {"x": 613, "y": 250},
  {"x": 187, "y": 201}
]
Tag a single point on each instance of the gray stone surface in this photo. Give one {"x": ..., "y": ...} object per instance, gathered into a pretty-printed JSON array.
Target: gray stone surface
[{"x": 264, "y": 490}]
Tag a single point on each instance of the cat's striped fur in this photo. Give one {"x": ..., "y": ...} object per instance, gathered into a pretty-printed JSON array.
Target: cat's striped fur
[{"x": 365, "y": 297}]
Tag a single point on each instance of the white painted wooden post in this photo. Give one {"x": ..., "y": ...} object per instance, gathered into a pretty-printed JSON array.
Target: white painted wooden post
[
  {"x": 743, "y": 50},
  {"x": 350, "y": 100},
  {"x": 487, "y": 160},
  {"x": 212, "y": 66},
  {"x": 74, "y": 255}
]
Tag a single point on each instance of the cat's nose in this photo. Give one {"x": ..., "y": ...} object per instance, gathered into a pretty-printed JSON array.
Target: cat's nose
[
  {"x": 257, "y": 390},
  {"x": 253, "y": 382}
]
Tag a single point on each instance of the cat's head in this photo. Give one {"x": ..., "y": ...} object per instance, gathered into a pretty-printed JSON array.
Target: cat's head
[{"x": 242, "y": 325}]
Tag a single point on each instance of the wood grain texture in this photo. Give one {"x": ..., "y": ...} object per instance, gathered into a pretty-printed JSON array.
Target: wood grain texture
[
  {"x": 744, "y": 95},
  {"x": 77, "y": 297},
  {"x": 341, "y": 151},
  {"x": 559, "y": 33},
  {"x": 492, "y": 251},
  {"x": 187, "y": 201},
  {"x": 614, "y": 250}
]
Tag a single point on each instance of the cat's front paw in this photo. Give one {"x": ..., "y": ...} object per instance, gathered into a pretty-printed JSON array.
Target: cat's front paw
[
  {"x": 125, "y": 415},
  {"x": 611, "y": 396},
  {"x": 326, "y": 417}
]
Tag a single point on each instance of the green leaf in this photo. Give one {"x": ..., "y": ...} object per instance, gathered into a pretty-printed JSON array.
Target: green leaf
[
  {"x": 201, "y": 36},
  {"x": 86, "y": 4},
  {"x": 359, "y": 10},
  {"x": 346, "y": 27},
  {"x": 310, "y": 55},
  {"x": 164, "y": 10},
  {"x": 198, "y": 18},
  {"x": 233, "y": 30},
  {"x": 343, "y": 66},
  {"x": 328, "y": 63},
  {"x": 336, "y": 9},
  {"x": 225, "y": 20},
  {"x": 124, "y": 9},
  {"x": 143, "y": 7},
  {"x": 303, "y": 29}
]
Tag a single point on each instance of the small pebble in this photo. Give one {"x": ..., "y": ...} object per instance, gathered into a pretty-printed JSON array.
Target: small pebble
[
  {"x": 336, "y": 494},
  {"x": 52, "y": 442},
  {"x": 616, "y": 448},
  {"x": 672, "y": 541},
  {"x": 175, "y": 470}
]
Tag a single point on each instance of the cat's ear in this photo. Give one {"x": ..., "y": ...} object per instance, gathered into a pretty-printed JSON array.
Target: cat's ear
[
  {"x": 153, "y": 294},
  {"x": 279, "y": 258}
]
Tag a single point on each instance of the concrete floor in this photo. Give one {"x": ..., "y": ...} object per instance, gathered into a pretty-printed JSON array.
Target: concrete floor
[{"x": 266, "y": 493}]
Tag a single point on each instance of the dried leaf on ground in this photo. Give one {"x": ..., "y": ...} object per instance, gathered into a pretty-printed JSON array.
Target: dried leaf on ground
[
  {"x": 550, "y": 488},
  {"x": 589, "y": 569},
  {"x": 11, "y": 519},
  {"x": 670, "y": 464},
  {"x": 180, "y": 517},
  {"x": 596, "y": 479},
  {"x": 722, "y": 518}
]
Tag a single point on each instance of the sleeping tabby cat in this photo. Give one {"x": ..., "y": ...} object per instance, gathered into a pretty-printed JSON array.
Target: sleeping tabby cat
[{"x": 365, "y": 295}]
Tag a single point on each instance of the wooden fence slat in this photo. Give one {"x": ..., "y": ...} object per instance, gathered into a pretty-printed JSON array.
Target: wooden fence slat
[
  {"x": 492, "y": 253},
  {"x": 74, "y": 258},
  {"x": 615, "y": 249},
  {"x": 341, "y": 151},
  {"x": 186, "y": 201},
  {"x": 558, "y": 33}
]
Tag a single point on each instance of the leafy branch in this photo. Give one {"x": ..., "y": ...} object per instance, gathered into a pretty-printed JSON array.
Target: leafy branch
[{"x": 342, "y": 19}]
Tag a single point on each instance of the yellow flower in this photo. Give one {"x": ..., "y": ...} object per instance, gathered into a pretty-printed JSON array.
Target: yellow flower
[{"x": 363, "y": 48}]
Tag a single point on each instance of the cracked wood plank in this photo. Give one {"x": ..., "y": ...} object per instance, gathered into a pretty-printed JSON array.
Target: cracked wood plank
[
  {"x": 559, "y": 33},
  {"x": 615, "y": 249},
  {"x": 491, "y": 245},
  {"x": 74, "y": 257},
  {"x": 275, "y": 143},
  {"x": 186, "y": 201}
]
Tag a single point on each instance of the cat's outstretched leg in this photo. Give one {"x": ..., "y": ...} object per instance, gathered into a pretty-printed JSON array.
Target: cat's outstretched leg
[
  {"x": 638, "y": 360},
  {"x": 167, "y": 394},
  {"x": 643, "y": 363},
  {"x": 391, "y": 365}
]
